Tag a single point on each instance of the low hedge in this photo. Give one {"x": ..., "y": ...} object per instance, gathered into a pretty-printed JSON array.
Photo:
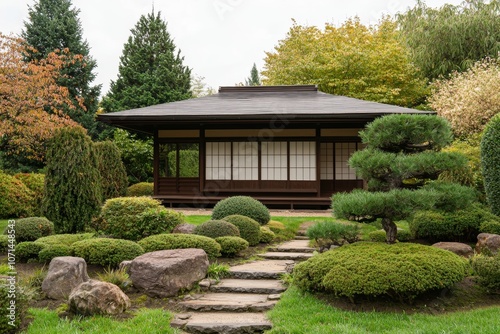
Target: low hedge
[
  {"x": 217, "y": 228},
  {"x": 180, "y": 241},
  {"x": 51, "y": 251},
  {"x": 241, "y": 205},
  {"x": 491, "y": 226},
  {"x": 249, "y": 228},
  {"x": 231, "y": 246},
  {"x": 141, "y": 189},
  {"x": 266, "y": 235},
  {"x": 64, "y": 239},
  {"x": 28, "y": 250},
  {"x": 488, "y": 271},
  {"x": 106, "y": 252},
  {"x": 32, "y": 228},
  {"x": 401, "y": 271}
]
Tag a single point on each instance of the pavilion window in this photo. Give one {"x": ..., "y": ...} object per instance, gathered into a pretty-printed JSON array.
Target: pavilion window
[
  {"x": 302, "y": 161},
  {"x": 218, "y": 161},
  {"x": 245, "y": 161},
  {"x": 179, "y": 160},
  {"x": 274, "y": 161}
]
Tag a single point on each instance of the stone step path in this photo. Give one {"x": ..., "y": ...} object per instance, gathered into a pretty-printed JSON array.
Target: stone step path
[{"x": 237, "y": 304}]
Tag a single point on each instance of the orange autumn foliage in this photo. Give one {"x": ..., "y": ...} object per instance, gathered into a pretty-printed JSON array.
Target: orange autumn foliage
[{"x": 31, "y": 101}]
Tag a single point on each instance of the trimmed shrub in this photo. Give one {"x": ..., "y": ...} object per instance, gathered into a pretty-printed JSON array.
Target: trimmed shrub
[
  {"x": 249, "y": 228},
  {"x": 401, "y": 271},
  {"x": 64, "y": 239},
  {"x": 35, "y": 183},
  {"x": 488, "y": 270},
  {"x": 141, "y": 189},
  {"x": 30, "y": 229},
  {"x": 242, "y": 205},
  {"x": 490, "y": 163},
  {"x": 181, "y": 241},
  {"x": 380, "y": 236},
  {"x": 114, "y": 179},
  {"x": 106, "y": 252},
  {"x": 51, "y": 251},
  {"x": 4, "y": 243},
  {"x": 276, "y": 226},
  {"x": 133, "y": 218},
  {"x": 28, "y": 250},
  {"x": 16, "y": 199},
  {"x": 491, "y": 226},
  {"x": 73, "y": 193},
  {"x": 21, "y": 307},
  {"x": 462, "y": 225},
  {"x": 217, "y": 228},
  {"x": 333, "y": 233},
  {"x": 230, "y": 246},
  {"x": 266, "y": 235}
]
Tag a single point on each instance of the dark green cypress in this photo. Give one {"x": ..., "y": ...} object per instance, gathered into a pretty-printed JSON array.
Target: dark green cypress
[
  {"x": 254, "y": 79},
  {"x": 490, "y": 163},
  {"x": 113, "y": 175},
  {"x": 73, "y": 193}
]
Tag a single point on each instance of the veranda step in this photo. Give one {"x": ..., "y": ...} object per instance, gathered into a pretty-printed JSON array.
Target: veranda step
[
  {"x": 295, "y": 246},
  {"x": 287, "y": 256},
  {"x": 267, "y": 269},
  {"x": 223, "y": 323},
  {"x": 229, "y": 302},
  {"x": 248, "y": 286}
]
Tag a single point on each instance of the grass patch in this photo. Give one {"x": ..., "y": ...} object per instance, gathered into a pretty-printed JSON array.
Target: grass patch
[
  {"x": 287, "y": 317},
  {"x": 197, "y": 219},
  {"x": 149, "y": 321}
]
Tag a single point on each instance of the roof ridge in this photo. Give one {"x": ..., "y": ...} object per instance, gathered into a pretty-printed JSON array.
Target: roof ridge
[{"x": 268, "y": 89}]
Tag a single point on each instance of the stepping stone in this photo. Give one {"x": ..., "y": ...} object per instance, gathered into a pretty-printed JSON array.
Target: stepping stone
[
  {"x": 296, "y": 246},
  {"x": 227, "y": 323},
  {"x": 301, "y": 237},
  {"x": 287, "y": 255},
  {"x": 261, "y": 269},
  {"x": 230, "y": 302},
  {"x": 249, "y": 286}
]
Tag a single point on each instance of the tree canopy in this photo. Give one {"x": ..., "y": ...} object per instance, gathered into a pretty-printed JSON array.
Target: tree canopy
[
  {"x": 253, "y": 79},
  {"x": 451, "y": 38},
  {"x": 54, "y": 25},
  {"x": 354, "y": 60}
]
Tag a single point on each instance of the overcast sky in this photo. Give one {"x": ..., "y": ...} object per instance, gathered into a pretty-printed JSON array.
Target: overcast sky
[{"x": 220, "y": 39}]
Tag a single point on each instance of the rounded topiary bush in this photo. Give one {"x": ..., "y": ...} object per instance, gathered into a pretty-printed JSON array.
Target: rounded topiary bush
[
  {"x": 217, "y": 228},
  {"x": 266, "y": 235},
  {"x": 141, "y": 189},
  {"x": 4, "y": 243},
  {"x": 35, "y": 183},
  {"x": 249, "y": 228},
  {"x": 32, "y": 228},
  {"x": 488, "y": 270},
  {"x": 28, "y": 250},
  {"x": 106, "y": 252},
  {"x": 64, "y": 239},
  {"x": 16, "y": 199},
  {"x": 401, "y": 271},
  {"x": 276, "y": 226},
  {"x": 242, "y": 205},
  {"x": 491, "y": 226},
  {"x": 134, "y": 218},
  {"x": 181, "y": 241},
  {"x": 51, "y": 251},
  {"x": 230, "y": 246}
]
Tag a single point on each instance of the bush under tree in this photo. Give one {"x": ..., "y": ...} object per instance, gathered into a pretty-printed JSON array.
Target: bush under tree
[
  {"x": 403, "y": 154},
  {"x": 241, "y": 205},
  {"x": 141, "y": 189},
  {"x": 114, "y": 180},
  {"x": 73, "y": 193},
  {"x": 16, "y": 199},
  {"x": 490, "y": 162},
  {"x": 35, "y": 183}
]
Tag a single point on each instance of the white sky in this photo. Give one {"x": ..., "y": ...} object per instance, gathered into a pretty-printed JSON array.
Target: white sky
[{"x": 220, "y": 39}]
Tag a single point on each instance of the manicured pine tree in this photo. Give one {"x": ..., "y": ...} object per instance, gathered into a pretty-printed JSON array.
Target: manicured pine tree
[
  {"x": 54, "y": 24},
  {"x": 113, "y": 175},
  {"x": 490, "y": 162},
  {"x": 254, "y": 79},
  {"x": 402, "y": 156},
  {"x": 73, "y": 193}
]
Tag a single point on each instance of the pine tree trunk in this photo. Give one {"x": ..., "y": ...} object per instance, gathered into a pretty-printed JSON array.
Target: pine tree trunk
[{"x": 391, "y": 230}]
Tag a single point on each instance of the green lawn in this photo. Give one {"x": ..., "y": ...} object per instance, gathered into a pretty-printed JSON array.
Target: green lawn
[{"x": 299, "y": 313}]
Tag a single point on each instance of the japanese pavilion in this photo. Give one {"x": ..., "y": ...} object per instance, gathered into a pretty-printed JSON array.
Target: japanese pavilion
[{"x": 283, "y": 145}]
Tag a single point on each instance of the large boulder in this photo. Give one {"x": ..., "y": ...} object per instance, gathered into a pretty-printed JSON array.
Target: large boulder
[
  {"x": 96, "y": 297},
  {"x": 164, "y": 273},
  {"x": 65, "y": 273},
  {"x": 184, "y": 228},
  {"x": 456, "y": 247},
  {"x": 487, "y": 242}
]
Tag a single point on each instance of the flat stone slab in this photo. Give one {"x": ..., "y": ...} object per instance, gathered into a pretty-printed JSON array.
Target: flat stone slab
[
  {"x": 300, "y": 246},
  {"x": 301, "y": 237},
  {"x": 287, "y": 256},
  {"x": 261, "y": 269},
  {"x": 224, "y": 323},
  {"x": 230, "y": 302},
  {"x": 248, "y": 286}
]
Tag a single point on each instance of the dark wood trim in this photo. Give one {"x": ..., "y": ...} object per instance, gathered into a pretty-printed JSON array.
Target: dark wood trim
[
  {"x": 202, "y": 149},
  {"x": 318, "y": 161},
  {"x": 232, "y": 158},
  {"x": 259, "y": 160},
  {"x": 156, "y": 163},
  {"x": 288, "y": 160}
]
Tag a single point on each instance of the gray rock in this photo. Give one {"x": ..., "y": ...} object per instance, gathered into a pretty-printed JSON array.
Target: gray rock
[
  {"x": 165, "y": 273},
  {"x": 456, "y": 247},
  {"x": 205, "y": 283},
  {"x": 65, "y": 273},
  {"x": 488, "y": 243},
  {"x": 184, "y": 228},
  {"x": 125, "y": 265},
  {"x": 274, "y": 297},
  {"x": 96, "y": 297}
]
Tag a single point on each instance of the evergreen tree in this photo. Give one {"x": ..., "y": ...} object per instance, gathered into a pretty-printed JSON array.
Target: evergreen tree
[
  {"x": 254, "y": 79},
  {"x": 73, "y": 191},
  {"x": 490, "y": 161},
  {"x": 54, "y": 24},
  {"x": 150, "y": 71},
  {"x": 402, "y": 157},
  {"x": 113, "y": 175}
]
